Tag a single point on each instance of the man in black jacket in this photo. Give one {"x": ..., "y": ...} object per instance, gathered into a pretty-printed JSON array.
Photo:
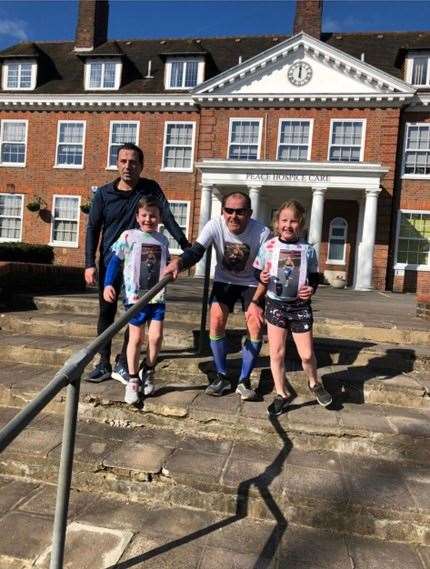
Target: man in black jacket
[{"x": 113, "y": 211}]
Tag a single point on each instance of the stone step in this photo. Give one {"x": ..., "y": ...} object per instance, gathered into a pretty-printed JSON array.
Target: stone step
[
  {"x": 262, "y": 479},
  {"x": 190, "y": 311},
  {"x": 132, "y": 534},
  {"x": 395, "y": 433}
]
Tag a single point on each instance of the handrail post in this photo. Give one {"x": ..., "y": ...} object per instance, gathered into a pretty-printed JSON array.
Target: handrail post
[
  {"x": 65, "y": 474},
  {"x": 205, "y": 301}
]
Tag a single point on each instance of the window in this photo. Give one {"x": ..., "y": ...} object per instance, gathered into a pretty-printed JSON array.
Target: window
[
  {"x": 181, "y": 213},
  {"x": 417, "y": 150},
  {"x": 13, "y": 142},
  {"x": 11, "y": 217},
  {"x": 120, "y": 133},
  {"x": 178, "y": 146},
  {"x": 184, "y": 73},
  {"x": 417, "y": 69},
  {"x": 70, "y": 144},
  {"x": 413, "y": 240},
  {"x": 244, "y": 141},
  {"x": 102, "y": 74},
  {"x": 337, "y": 241},
  {"x": 346, "y": 141},
  {"x": 19, "y": 75},
  {"x": 65, "y": 220},
  {"x": 294, "y": 140}
]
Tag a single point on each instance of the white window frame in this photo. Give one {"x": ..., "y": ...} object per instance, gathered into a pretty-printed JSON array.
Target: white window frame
[
  {"x": 70, "y": 166},
  {"x": 137, "y": 123},
  {"x": 67, "y": 244},
  {"x": 14, "y": 164},
  {"x": 168, "y": 72},
  {"x": 102, "y": 60},
  {"x": 330, "y": 236},
  {"x": 5, "y": 74},
  {"x": 246, "y": 119},
  {"x": 193, "y": 138},
  {"x": 7, "y": 239},
  {"x": 363, "y": 138},
  {"x": 410, "y": 67},
  {"x": 403, "y": 266},
  {"x": 405, "y": 138},
  {"x": 187, "y": 228},
  {"x": 311, "y": 131}
]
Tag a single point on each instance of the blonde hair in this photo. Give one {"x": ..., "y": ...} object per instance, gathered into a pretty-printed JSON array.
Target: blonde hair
[{"x": 298, "y": 209}]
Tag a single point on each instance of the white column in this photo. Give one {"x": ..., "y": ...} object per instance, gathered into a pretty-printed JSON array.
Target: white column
[
  {"x": 367, "y": 245},
  {"x": 316, "y": 221},
  {"x": 205, "y": 215},
  {"x": 255, "y": 197}
]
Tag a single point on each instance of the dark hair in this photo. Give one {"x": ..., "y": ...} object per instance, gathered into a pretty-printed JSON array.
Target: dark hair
[
  {"x": 296, "y": 206},
  {"x": 147, "y": 202},
  {"x": 234, "y": 194},
  {"x": 131, "y": 146}
]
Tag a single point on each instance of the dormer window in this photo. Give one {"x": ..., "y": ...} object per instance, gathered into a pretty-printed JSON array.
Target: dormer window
[
  {"x": 102, "y": 74},
  {"x": 417, "y": 70},
  {"x": 19, "y": 75},
  {"x": 184, "y": 72}
]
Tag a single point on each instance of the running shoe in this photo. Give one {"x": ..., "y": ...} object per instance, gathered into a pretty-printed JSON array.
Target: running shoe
[
  {"x": 100, "y": 373},
  {"x": 133, "y": 390},
  {"x": 245, "y": 391},
  {"x": 278, "y": 406},
  {"x": 120, "y": 372},
  {"x": 219, "y": 386},
  {"x": 321, "y": 394}
]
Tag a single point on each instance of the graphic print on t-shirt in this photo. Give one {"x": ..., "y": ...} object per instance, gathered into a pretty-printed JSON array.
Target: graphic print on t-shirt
[
  {"x": 236, "y": 256},
  {"x": 288, "y": 275},
  {"x": 150, "y": 266}
]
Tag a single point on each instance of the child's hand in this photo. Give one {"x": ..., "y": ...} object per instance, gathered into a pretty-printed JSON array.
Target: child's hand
[
  {"x": 305, "y": 292},
  {"x": 265, "y": 273},
  {"x": 109, "y": 293}
]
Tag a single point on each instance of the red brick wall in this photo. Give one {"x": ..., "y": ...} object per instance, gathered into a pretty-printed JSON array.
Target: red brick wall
[{"x": 40, "y": 178}]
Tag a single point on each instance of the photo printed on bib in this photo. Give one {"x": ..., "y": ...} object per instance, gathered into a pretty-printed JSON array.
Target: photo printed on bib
[
  {"x": 289, "y": 271},
  {"x": 150, "y": 266},
  {"x": 236, "y": 256}
]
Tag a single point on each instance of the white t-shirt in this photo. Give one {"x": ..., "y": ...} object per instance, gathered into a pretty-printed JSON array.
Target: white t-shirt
[
  {"x": 289, "y": 265},
  {"x": 145, "y": 255},
  {"x": 235, "y": 253}
]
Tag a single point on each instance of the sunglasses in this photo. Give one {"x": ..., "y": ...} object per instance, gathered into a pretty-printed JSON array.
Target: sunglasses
[{"x": 237, "y": 211}]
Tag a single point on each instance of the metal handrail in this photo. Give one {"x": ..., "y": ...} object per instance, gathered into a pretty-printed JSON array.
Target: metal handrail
[{"x": 70, "y": 376}]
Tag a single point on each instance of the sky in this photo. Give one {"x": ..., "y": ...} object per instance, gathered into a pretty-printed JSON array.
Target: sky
[{"x": 37, "y": 20}]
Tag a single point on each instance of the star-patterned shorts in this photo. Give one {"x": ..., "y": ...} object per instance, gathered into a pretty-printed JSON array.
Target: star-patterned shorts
[{"x": 296, "y": 316}]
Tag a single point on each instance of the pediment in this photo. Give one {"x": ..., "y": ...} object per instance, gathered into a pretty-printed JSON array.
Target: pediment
[{"x": 332, "y": 73}]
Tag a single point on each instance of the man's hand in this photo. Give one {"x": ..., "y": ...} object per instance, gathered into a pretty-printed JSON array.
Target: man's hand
[
  {"x": 90, "y": 276},
  {"x": 256, "y": 312},
  {"x": 173, "y": 268},
  {"x": 109, "y": 293},
  {"x": 306, "y": 292}
]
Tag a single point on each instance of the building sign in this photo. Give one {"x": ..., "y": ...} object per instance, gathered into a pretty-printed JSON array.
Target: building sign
[{"x": 302, "y": 178}]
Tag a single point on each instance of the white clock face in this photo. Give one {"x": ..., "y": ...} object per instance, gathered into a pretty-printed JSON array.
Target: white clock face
[{"x": 300, "y": 73}]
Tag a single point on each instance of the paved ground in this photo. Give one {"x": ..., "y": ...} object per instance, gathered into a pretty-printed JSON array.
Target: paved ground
[{"x": 372, "y": 308}]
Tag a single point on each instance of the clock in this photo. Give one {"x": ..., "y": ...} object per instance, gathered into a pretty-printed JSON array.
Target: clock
[{"x": 299, "y": 73}]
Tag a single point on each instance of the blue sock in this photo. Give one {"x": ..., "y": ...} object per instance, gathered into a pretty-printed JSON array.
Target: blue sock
[
  {"x": 250, "y": 351},
  {"x": 219, "y": 352}
]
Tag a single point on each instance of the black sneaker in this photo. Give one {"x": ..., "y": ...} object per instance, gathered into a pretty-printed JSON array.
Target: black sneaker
[
  {"x": 100, "y": 373},
  {"x": 219, "y": 386},
  {"x": 278, "y": 406},
  {"x": 321, "y": 394},
  {"x": 120, "y": 372}
]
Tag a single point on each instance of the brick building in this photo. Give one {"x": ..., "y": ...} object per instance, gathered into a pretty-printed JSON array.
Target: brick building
[{"x": 339, "y": 121}]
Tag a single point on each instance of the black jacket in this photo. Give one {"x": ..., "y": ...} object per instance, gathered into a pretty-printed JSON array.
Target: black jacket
[{"x": 113, "y": 211}]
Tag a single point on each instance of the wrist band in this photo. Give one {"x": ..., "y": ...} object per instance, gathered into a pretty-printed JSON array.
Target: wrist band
[{"x": 256, "y": 302}]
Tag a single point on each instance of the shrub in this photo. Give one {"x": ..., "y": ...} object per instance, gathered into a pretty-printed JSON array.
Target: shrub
[{"x": 26, "y": 253}]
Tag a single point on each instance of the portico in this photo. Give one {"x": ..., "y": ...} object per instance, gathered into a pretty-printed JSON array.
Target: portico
[{"x": 270, "y": 183}]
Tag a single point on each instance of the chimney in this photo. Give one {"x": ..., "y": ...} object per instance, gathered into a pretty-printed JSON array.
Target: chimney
[
  {"x": 92, "y": 27},
  {"x": 308, "y": 17}
]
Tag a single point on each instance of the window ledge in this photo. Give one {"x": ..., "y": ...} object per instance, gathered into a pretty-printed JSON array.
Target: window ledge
[
  {"x": 7, "y": 240},
  {"x": 68, "y": 167},
  {"x": 415, "y": 176},
  {"x": 407, "y": 267},
  {"x": 186, "y": 170},
  {"x": 12, "y": 165},
  {"x": 338, "y": 263},
  {"x": 64, "y": 245}
]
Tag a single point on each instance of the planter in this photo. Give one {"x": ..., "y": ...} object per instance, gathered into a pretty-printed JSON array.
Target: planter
[
  {"x": 85, "y": 208},
  {"x": 338, "y": 283},
  {"x": 33, "y": 206}
]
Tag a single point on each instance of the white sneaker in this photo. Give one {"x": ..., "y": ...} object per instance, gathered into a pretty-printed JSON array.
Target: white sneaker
[{"x": 132, "y": 391}]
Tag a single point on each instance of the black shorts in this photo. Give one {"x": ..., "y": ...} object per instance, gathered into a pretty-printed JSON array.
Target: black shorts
[
  {"x": 229, "y": 294},
  {"x": 296, "y": 316}
]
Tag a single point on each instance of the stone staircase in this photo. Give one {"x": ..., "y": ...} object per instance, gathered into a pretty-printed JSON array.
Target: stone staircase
[{"x": 220, "y": 483}]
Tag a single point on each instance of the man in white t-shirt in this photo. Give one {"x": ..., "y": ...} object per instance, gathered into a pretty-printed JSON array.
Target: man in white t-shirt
[{"x": 237, "y": 239}]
